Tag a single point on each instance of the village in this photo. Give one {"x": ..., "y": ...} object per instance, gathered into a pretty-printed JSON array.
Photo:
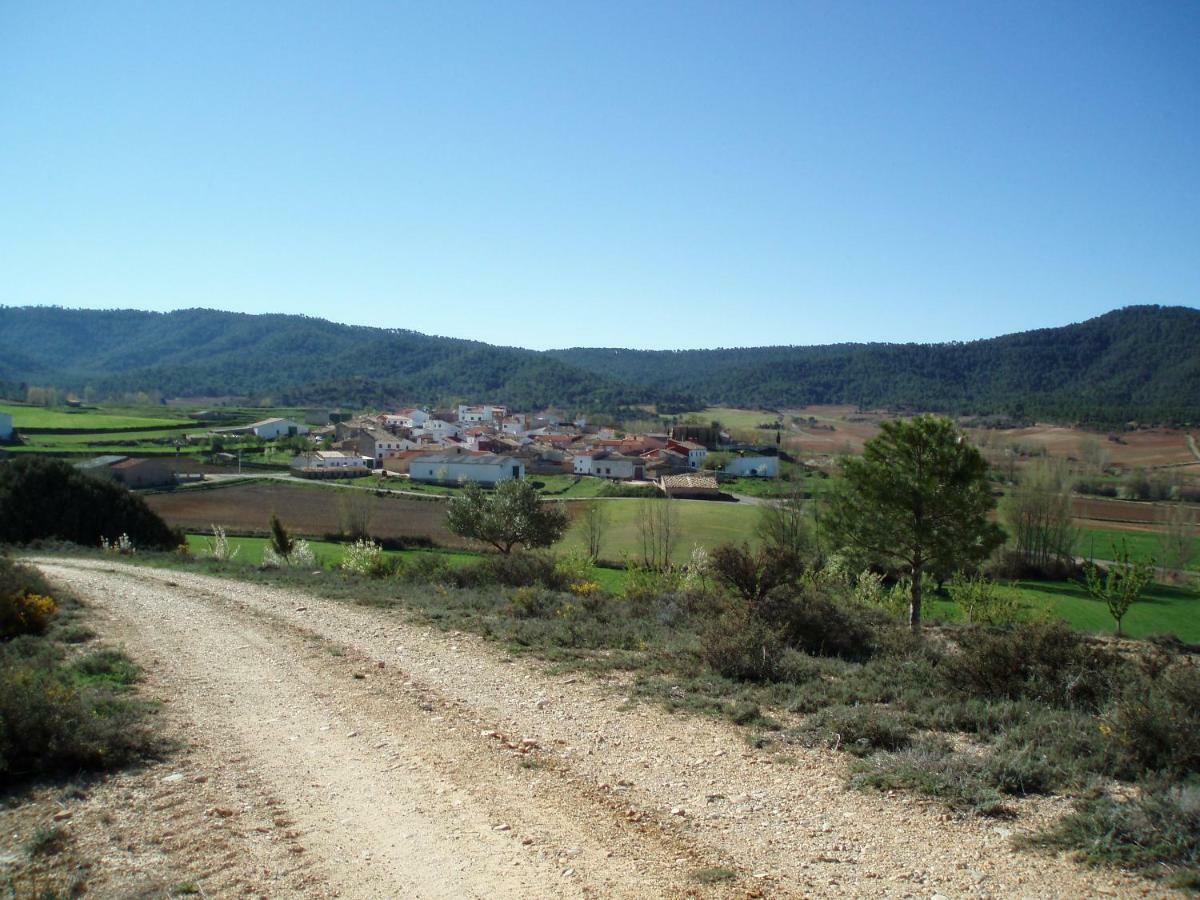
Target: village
[{"x": 487, "y": 444}]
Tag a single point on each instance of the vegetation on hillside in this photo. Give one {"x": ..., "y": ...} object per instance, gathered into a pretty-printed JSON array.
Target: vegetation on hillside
[{"x": 1136, "y": 364}]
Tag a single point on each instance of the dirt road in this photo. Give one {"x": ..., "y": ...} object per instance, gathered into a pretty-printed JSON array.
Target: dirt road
[{"x": 347, "y": 752}]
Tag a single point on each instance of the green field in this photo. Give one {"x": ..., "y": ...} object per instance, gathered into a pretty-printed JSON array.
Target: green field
[
  {"x": 90, "y": 419},
  {"x": 700, "y": 522},
  {"x": 1163, "y": 609},
  {"x": 1143, "y": 546}
]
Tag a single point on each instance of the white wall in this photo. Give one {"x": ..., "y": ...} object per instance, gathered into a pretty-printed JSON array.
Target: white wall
[
  {"x": 763, "y": 466},
  {"x": 452, "y": 472}
]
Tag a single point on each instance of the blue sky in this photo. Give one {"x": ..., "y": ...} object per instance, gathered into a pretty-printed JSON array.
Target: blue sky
[{"x": 618, "y": 174}]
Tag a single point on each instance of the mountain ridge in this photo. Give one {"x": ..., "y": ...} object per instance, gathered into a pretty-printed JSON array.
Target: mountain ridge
[{"x": 1136, "y": 363}]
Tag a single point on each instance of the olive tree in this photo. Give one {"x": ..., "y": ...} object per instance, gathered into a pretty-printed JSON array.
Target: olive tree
[
  {"x": 917, "y": 497},
  {"x": 511, "y": 515}
]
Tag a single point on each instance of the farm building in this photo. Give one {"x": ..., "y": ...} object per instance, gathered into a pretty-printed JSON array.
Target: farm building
[
  {"x": 453, "y": 468},
  {"x": 328, "y": 459},
  {"x": 697, "y": 487},
  {"x": 6, "y": 428},
  {"x": 605, "y": 464},
  {"x": 754, "y": 466},
  {"x": 133, "y": 473},
  {"x": 269, "y": 429},
  {"x": 695, "y": 452}
]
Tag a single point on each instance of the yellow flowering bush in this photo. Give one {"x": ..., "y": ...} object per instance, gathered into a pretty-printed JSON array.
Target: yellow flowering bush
[{"x": 25, "y": 613}]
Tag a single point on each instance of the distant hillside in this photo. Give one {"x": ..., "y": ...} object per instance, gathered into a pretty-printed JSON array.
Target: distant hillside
[
  {"x": 291, "y": 359},
  {"x": 1141, "y": 363}
]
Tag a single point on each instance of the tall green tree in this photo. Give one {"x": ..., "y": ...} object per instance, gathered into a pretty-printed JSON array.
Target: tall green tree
[
  {"x": 917, "y": 497},
  {"x": 512, "y": 515}
]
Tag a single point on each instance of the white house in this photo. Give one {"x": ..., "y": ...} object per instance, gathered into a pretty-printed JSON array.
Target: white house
[
  {"x": 695, "y": 452},
  {"x": 515, "y": 425},
  {"x": 6, "y": 428},
  {"x": 328, "y": 459},
  {"x": 755, "y": 466},
  {"x": 477, "y": 415},
  {"x": 441, "y": 430},
  {"x": 410, "y": 417},
  {"x": 269, "y": 429},
  {"x": 453, "y": 468},
  {"x": 605, "y": 464}
]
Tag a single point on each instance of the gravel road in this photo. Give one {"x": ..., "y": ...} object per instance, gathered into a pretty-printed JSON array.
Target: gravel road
[{"x": 407, "y": 762}]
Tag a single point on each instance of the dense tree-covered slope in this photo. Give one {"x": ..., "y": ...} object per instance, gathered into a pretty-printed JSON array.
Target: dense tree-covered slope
[
  {"x": 291, "y": 359},
  {"x": 1140, "y": 363}
]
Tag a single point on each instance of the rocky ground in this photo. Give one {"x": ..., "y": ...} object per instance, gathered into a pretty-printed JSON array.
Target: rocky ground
[{"x": 335, "y": 750}]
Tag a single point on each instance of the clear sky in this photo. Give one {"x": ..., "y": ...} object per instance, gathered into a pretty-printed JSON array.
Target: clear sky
[{"x": 642, "y": 174}]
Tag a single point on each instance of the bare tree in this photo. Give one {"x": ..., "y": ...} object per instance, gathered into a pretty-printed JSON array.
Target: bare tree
[
  {"x": 354, "y": 508},
  {"x": 1037, "y": 514},
  {"x": 595, "y": 526},
  {"x": 1178, "y": 537},
  {"x": 1094, "y": 454},
  {"x": 785, "y": 526},
  {"x": 659, "y": 530}
]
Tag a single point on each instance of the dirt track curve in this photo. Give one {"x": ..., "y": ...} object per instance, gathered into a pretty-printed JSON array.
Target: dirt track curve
[{"x": 347, "y": 752}]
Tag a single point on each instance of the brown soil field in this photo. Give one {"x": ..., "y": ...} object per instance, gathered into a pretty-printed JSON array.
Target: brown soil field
[
  {"x": 306, "y": 510},
  {"x": 1149, "y": 448},
  {"x": 841, "y": 428},
  {"x": 1127, "y": 511}
]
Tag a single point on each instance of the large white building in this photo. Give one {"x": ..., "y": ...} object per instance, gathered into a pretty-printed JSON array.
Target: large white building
[
  {"x": 269, "y": 429},
  {"x": 606, "y": 464},
  {"x": 328, "y": 459},
  {"x": 6, "y": 428},
  {"x": 455, "y": 468},
  {"x": 754, "y": 466}
]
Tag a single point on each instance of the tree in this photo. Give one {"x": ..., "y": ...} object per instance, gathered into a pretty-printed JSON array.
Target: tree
[
  {"x": 511, "y": 515},
  {"x": 1177, "y": 540},
  {"x": 595, "y": 526},
  {"x": 658, "y": 528},
  {"x": 1121, "y": 584},
  {"x": 785, "y": 525},
  {"x": 49, "y": 498},
  {"x": 281, "y": 541},
  {"x": 1037, "y": 514},
  {"x": 919, "y": 497}
]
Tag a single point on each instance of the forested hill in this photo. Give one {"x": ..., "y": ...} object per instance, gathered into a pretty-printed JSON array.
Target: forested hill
[
  {"x": 1140, "y": 363},
  {"x": 290, "y": 359}
]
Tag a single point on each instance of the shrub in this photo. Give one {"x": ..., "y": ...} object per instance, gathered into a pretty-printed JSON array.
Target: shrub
[
  {"x": 981, "y": 600},
  {"x": 49, "y": 498},
  {"x": 931, "y": 768},
  {"x": 219, "y": 547},
  {"x": 817, "y": 625},
  {"x": 743, "y": 646},
  {"x": 25, "y": 614},
  {"x": 363, "y": 557},
  {"x": 857, "y": 729},
  {"x": 1155, "y": 725},
  {"x": 25, "y": 603},
  {"x": 1157, "y": 832},
  {"x": 121, "y": 545},
  {"x": 1033, "y": 661},
  {"x": 428, "y": 567},
  {"x": 514, "y": 570},
  {"x": 754, "y": 575},
  {"x": 531, "y": 602},
  {"x": 54, "y": 718}
]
